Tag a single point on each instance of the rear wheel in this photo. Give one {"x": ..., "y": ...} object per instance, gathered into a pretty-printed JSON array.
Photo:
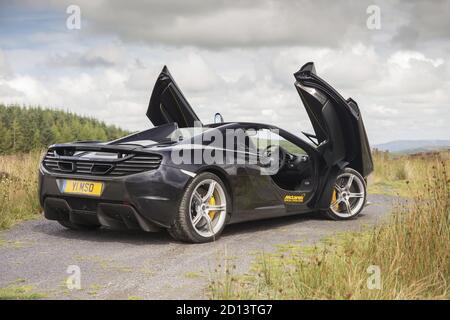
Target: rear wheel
[
  {"x": 77, "y": 226},
  {"x": 349, "y": 195},
  {"x": 203, "y": 210}
]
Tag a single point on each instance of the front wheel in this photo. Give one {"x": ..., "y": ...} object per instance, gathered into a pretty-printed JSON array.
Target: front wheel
[
  {"x": 203, "y": 210},
  {"x": 349, "y": 195}
]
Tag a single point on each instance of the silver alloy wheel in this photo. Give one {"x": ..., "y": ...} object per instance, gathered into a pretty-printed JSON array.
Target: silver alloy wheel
[
  {"x": 208, "y": 207},
  {"x": 349, "y": 195}
]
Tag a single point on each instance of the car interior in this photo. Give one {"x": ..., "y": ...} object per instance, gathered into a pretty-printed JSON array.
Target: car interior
[{"x": 295, "y": 170}]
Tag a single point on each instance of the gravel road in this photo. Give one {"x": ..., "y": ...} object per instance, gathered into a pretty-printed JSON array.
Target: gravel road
[{"x": 123, "y": 264}]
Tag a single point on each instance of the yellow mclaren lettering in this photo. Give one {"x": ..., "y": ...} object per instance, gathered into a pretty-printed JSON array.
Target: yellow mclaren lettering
[{"x": 294, "y": 198}]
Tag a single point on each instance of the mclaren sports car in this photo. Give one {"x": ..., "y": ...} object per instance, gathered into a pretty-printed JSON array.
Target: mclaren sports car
[{"x": 192, "y": 178}]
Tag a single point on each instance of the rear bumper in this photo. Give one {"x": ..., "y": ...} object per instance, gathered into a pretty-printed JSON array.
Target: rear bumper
[
  {"x": 111, "y": 215},
  {"x": 147, "y": 200}
]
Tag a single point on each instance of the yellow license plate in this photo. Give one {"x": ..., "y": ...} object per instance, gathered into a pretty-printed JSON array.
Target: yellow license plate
[{"x": 89, "y": 188}]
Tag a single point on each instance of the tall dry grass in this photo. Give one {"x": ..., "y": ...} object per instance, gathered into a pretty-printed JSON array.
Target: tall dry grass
[
  {"x": 411, "y": 251},
  {"x": 18, "y": 188},
  {"x": 403, "y": 175}
]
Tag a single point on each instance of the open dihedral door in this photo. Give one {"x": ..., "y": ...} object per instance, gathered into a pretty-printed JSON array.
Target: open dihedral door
[
  {"x": 339, "y": 130},
  {"x": 168, "y": 104}
]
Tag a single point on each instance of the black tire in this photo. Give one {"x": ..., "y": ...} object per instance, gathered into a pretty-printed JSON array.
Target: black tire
[
  {"x": 182, "y": 228},
  {"x": 77, "y": 226},
  {"x": 332, "y": 215}
]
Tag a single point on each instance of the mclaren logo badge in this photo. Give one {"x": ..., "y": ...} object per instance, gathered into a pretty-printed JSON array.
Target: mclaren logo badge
[{"x": 294, "y": 198}]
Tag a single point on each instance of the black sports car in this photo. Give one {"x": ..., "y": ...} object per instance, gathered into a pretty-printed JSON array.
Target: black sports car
[{"x": 192, "y": 178}]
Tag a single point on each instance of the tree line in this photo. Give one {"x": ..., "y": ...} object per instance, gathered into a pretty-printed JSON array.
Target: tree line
[{"x": 23, "y": 129}]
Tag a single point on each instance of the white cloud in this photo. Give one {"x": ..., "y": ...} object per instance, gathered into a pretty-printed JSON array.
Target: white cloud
[
  {"x": 405, "y": 59},
  {"x": 4, "y": 66},
  {"x": 220, "y": 23},
  {"x": 196, "y": 74},
  {"x": 237, "y": 59},
  {"x": 98, "y": 56},
  {"x": 394, "y": 99}
]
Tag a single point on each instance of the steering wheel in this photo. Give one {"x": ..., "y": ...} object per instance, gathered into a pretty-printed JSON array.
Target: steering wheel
[{"x": 271, "y": 152}]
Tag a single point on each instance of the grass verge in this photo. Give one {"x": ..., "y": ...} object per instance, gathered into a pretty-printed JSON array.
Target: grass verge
[
  {"x": 403, "y": 175},
  {"x": 13, "y": 292},
  {"x": 410, "y": 251},
  {"x": 18, "y": 188}
]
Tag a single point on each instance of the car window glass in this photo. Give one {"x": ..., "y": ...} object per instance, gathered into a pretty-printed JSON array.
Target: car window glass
[{"x": 264, "y": 137}]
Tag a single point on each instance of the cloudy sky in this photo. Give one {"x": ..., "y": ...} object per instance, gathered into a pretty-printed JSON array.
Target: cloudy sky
[{"x": 235, "y": 57}]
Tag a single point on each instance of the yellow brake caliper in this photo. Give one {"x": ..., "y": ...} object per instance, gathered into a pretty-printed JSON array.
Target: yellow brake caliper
[
  {"x": 333, "y": 198},
  {"x": 212, "y": 202}
]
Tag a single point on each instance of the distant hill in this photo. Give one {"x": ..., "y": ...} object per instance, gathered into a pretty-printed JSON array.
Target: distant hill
[
  {"x": 23, "y": 129},
  {"x": 412, "y": 146}
]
